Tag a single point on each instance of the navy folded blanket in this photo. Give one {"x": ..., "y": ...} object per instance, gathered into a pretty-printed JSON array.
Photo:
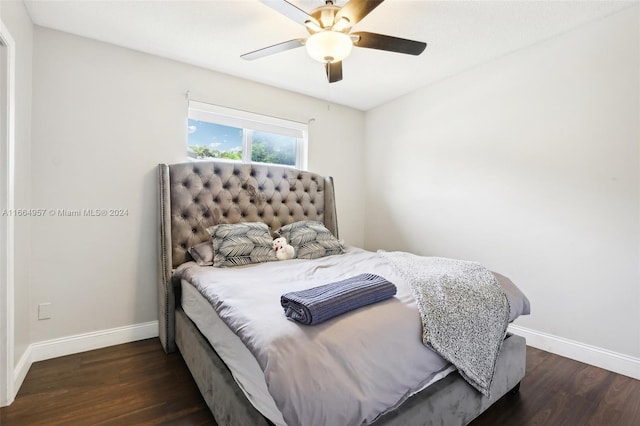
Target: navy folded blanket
[{"x": 315, "y": 305}]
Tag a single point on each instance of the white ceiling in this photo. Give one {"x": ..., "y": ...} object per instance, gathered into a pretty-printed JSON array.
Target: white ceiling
[{"x": 213, "y": 34}]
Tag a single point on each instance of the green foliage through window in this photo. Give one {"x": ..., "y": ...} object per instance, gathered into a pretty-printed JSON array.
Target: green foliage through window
[
  {"x": 275, "y": 149},
  {"x": 206, "y": 152}
]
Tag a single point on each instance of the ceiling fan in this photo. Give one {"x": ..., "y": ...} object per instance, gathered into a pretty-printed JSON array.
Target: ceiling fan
[{"x": 330, "y": 40}]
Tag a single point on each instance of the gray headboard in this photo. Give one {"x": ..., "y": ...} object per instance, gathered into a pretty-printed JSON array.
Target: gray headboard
[{"x": 196, "y": 195}]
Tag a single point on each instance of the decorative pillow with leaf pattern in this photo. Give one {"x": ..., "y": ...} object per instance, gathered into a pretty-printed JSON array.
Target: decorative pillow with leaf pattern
[
  {"x": 241, "y": 244},
  {"x": 311, "y": 239}
]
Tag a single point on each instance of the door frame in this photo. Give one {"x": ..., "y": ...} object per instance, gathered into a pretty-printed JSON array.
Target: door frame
[{"x": 7, "y": 205}]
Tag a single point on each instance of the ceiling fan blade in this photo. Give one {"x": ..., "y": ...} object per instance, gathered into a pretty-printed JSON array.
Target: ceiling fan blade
[
  {"x": 385, "y": 42},
  {"x": 334, "y": 71},
  {"x": 276, "y": 48},
  {"x": 356, "y": 10},
  {"x": 290, "y": 11}
]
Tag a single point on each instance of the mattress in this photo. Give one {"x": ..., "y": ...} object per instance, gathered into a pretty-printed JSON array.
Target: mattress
[{"x": 241, "y": 362}]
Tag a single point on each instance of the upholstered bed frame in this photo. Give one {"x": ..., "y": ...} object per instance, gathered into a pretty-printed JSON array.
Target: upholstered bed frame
[{"x": 196, "y": 195}]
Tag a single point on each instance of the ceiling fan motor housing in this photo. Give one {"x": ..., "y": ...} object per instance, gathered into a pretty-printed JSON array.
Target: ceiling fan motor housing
[{"x": 326, "y": 16}]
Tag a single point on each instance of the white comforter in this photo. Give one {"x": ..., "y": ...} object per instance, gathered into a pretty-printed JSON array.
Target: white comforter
[{"x": 346, "y": 371}]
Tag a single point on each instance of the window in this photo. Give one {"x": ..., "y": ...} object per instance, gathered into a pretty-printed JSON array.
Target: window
[{"x": 234, "y": 135}]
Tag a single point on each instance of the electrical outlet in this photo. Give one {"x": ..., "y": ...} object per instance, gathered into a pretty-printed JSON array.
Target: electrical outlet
[{"x": 44, "y": 311}]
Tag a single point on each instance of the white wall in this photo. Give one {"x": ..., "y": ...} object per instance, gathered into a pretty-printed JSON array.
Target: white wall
[
  {"x": 530, "y": 165},
  {"x": 103, "y": 118},
  {"x": 17, "y": 21}
]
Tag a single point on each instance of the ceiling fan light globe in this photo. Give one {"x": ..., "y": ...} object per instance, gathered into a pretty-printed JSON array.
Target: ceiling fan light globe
[{"x": 329, "y": 46}]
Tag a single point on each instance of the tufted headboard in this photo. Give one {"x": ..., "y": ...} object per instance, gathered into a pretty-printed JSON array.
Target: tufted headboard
[{"x": 196, "y": 195}]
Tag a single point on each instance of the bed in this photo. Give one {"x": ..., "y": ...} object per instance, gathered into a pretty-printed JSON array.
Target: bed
[{"x": 195, "y": 196}]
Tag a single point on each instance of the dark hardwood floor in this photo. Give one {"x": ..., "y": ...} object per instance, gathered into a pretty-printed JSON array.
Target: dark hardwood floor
[
  {"x": 131, "y": 384},
  {"x": 559, "y": 391},
  {"x": 138, "y": 384}
]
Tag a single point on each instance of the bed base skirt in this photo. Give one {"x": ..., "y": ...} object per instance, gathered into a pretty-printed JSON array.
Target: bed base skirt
[
  {"x": 450, "y": 401},
  {"x": 218, "y": 388}
]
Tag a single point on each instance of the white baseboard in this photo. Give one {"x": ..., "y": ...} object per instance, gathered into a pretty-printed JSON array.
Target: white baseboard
[
  {"x": 54, "y": 348},
  {"x": 21, "y": 369},
  {"x": 603, "y": 358}
]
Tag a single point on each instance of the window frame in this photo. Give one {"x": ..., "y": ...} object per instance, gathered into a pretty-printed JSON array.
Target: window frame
[{"x": 250, "y": 122}]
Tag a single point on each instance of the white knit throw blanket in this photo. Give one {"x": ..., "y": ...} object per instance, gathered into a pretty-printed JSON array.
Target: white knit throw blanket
[{"x": 464, "y": 311}]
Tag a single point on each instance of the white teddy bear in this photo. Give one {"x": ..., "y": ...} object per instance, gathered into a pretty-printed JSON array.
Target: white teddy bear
[{"x": 283, "y": 250}]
